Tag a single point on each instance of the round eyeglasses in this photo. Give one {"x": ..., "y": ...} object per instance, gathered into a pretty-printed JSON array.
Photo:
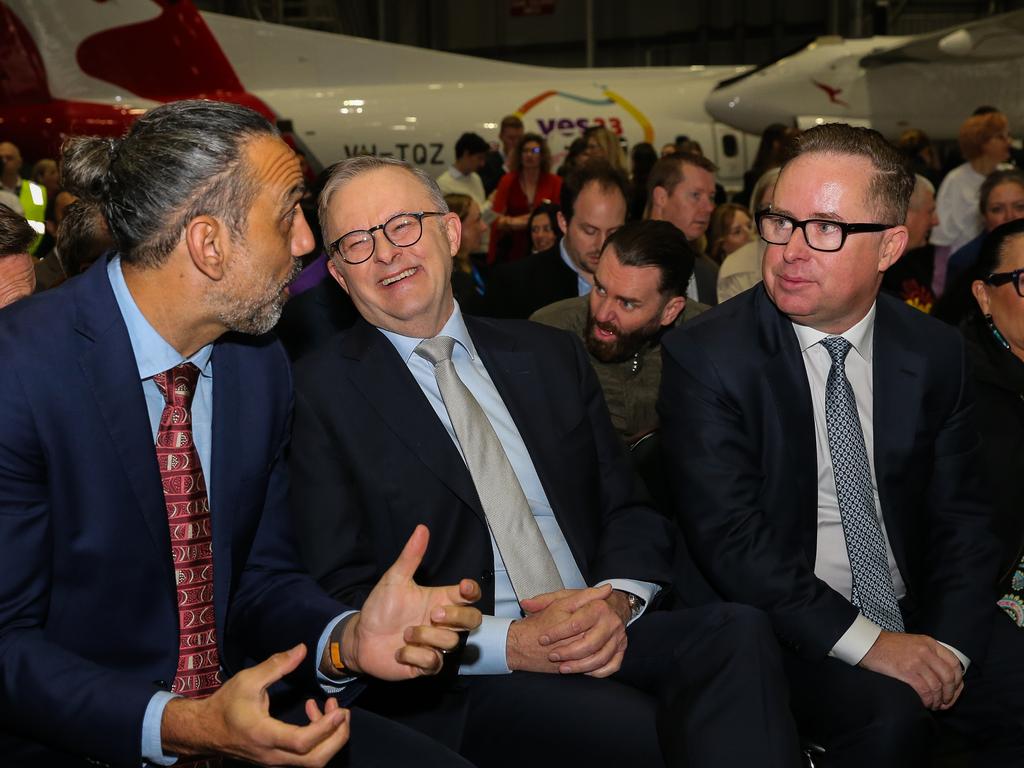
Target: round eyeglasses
[
  {"x": 1002, "y": 278},
  {"x": 402, "y": 230},
  {"x": 821, "y": 234}
]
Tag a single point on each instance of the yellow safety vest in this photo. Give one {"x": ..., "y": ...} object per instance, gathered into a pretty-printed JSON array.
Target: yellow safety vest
[{"x": 33, "y": 200}]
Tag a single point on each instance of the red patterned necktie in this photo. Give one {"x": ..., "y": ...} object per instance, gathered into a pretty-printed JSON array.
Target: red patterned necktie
[{"x": 188, "y": 517}]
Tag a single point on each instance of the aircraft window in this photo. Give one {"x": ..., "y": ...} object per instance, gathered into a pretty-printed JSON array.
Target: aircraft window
[{"x": 729, "y": 145}]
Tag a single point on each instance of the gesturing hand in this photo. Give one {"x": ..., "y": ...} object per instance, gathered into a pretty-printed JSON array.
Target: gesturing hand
[
  {"x": 921, "y": 662},
  {"x": 403, "y": 628},
  {"x": 236, "y": 721}
]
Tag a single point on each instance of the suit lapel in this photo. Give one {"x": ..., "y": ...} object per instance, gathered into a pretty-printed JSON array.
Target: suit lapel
[
  {"x": 898, "y": 373},
  {"x": 382, "y": 377},
  {"x": 225, "y": 470},
  {"x": 787, "y": 380},
  {"x": 108, "y": 364}
]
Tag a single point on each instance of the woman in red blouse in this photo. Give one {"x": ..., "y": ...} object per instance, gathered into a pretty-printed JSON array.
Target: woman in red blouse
[{"x": 522, "y": 189}]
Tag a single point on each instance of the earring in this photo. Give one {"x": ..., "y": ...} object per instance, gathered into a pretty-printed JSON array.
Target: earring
[{"x": 995, "y": 332}]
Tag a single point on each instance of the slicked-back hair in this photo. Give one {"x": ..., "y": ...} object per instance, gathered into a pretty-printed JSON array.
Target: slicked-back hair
[
  {"x": 671, "y": 169},
  {"x": 892, "y": 184},
  {"x": 994, "y": 247},
  {"x": 341, "y": 173},
  {"x": 996, "y": 179},
  {"x": 597, "y": 171},
  {"x": 658, "y": 244},
  {"x": 15, "y": 233},
  {"x": 178, "y": 161}
]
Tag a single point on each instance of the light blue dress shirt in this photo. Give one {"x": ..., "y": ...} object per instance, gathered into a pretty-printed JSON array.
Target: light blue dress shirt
[
  {"x": 487, "y": 642},
  {"x": 154, "y": 355},
  {"x": 582, "y": 285}
]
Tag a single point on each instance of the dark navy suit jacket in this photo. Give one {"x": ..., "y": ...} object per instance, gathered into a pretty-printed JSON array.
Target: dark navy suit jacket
[
  {"x": 88, "y": 616},
  {"x": 738, "y": 431}
]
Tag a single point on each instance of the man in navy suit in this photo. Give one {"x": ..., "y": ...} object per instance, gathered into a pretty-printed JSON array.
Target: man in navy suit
[
  {"x": 592, "y": 671},
  {"x": 825, "y": 463},
  {"x": 125, "y": 624}
]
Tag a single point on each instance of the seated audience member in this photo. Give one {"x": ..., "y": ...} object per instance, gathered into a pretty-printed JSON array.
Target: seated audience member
[
  {"x": 17, "y": 272},
  {"x": 920, "y": 153},
  {"x": 463, "y": 178},
  {"x": 522, "y": 189},
  {"x": 498, "y": 162},
  {"x": 146, "y": 545},
  {"x": 642, "y": 159},
  {"x": 495, "y": 433},
  {"x": 543, "y": 226},
  {"x": 826, "y": 468},
  {"x": 681, "y": 190},
  {"x": 602, "y": 144},
  {"x": 730, "y": 229},
  {"x": 910, "y": 278},
  {"x": 995, "y": 332},
  {"x": 985, "y": 144},
  {"x": 467, "y": 282},
  {"x": 593, "y": 205},
  {"x": 639, "y": 293},
  {"x": 741, "y": 269},
  {"x": 1000, "y": 200}
]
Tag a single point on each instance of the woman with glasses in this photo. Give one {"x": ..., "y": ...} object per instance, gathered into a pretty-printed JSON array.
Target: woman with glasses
[
  {"x": 995, "y": 330},
  {"x": 527, "y": 185}
]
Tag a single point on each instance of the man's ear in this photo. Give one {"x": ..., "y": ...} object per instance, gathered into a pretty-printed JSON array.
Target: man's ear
[
  {"x": 207, "y": 240},
  {"x": 336, "y": 274},
  {"x": 659, "y": 196},
  {"x": 562, "y": 223},
  {"x": 673, "y": 308},
  {"x": 894, "y": 245}
]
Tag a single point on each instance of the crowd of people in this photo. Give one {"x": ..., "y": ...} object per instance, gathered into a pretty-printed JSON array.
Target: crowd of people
[{"x": 578, "y": 465}]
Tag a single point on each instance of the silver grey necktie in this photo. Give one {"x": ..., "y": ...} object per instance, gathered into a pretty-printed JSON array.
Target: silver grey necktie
[
  {"x": 527, "y": 558},
  {"x": 873, "y": 592}
]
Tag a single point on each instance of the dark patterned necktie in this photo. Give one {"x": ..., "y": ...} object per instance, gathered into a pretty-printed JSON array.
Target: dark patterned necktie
[
  {"x": 873, "y": 592},
  {"x": 188, "y": 518}
]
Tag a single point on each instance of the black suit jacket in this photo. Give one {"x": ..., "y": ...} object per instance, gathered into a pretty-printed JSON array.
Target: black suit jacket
[
  {"x": 518, "y": 289},
  {"x": 371, "y": 460},
  {"x": 88, "y": 608},
  {"x": 738, "y": 427}
]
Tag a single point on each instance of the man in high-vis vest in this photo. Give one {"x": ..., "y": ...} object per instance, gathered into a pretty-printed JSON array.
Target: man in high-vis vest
[{"x": 32, "y": 196}]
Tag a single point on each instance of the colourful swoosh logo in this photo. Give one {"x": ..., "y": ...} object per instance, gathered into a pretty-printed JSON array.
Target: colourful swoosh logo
[{"x": 610, "y": 98}]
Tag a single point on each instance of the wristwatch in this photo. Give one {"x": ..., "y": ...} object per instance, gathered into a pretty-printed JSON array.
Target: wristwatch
[{"x": 636, "y": 604}]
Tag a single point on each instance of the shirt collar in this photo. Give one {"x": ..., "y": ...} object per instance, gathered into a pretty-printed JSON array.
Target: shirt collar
[
  {"x": 455, "y": 327},
  {"x": 153, "y": 354},
  {"x": 568, "y": 259},
  {"x": 456, "y": 174},
  {"x": 860, "y": 336}
]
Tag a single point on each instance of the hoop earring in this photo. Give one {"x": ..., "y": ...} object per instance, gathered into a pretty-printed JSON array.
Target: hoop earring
[{"x": 995, "y": 332}]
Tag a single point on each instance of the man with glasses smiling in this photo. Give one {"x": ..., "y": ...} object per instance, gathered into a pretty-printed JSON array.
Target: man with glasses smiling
[
  {"x": 826, "y": 465},
  {"x": 495, "y": 433}
]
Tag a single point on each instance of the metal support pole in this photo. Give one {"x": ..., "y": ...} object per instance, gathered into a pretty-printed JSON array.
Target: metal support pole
[{"x": 589, "y": 4}]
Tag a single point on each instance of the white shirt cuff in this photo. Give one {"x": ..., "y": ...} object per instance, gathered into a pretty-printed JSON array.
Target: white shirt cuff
[
  {"x": 856, "y": 641},
  {"x": 645, "y": 590},
  {"x": 964, "y": 661},
  {"x": 485, "y": 648}
]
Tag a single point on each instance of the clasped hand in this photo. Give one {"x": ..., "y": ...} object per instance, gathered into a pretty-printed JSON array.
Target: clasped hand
[
  {"x": 570, "y": 631},
  {"x": 922, "y": 662},
  {"x": 402, "y": 632}
]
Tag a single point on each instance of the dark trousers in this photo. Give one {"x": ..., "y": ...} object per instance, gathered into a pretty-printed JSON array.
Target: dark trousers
[
  {"x": 699, "y": 687},
  {"x": 862, "y": 718}
]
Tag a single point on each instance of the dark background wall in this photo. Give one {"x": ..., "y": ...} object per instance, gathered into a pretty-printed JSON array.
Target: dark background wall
[{"x": 625, "y": 32}]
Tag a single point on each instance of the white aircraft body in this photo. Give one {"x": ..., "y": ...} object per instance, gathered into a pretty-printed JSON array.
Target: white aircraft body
[
  {"x": 92, "y": 66},
  {"x": 932, "y": 82}
]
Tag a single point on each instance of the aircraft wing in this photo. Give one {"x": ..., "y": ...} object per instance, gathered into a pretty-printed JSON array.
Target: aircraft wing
[{"x": 993, "y": 39}]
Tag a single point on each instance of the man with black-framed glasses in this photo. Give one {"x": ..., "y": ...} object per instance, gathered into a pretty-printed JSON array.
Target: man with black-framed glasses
[
  {"x": 834, "y": 479},
  {"x": 495, "y": 433}
]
